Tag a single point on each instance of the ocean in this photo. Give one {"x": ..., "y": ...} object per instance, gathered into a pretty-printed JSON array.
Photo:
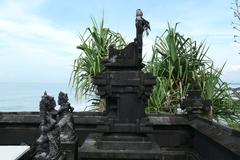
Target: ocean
[{"x": 18, "y": 97}]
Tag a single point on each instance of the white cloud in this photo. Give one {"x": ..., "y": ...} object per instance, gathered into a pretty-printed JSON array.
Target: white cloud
[
  {"x": 233, "y": 68},
  {"x": 33, "y": 46}
]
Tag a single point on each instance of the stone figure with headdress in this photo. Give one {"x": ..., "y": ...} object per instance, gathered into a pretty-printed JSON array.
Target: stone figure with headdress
[
  {"x": 48, "y": 144},
  {"x": 66, "y": 122}
]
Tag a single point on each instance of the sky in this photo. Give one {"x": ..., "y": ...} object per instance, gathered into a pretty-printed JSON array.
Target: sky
[{"x": 38, "y": 38}]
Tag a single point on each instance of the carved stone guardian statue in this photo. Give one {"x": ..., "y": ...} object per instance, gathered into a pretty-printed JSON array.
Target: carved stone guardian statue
[
  {"x": 48, "y": 144},
  {"x": 69, "y": 140},
  {"x": 66, "y": 122}
]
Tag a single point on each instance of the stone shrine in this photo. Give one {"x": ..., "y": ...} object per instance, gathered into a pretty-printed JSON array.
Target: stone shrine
[{"x": 126, "y": 130}]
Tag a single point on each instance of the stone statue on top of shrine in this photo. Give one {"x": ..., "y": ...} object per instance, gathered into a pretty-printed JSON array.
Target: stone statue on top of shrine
[{"x": 141, "y": 26}]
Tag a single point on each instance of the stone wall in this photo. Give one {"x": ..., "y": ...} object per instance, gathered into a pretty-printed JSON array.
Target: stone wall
[{"x": 210, "y": 140}]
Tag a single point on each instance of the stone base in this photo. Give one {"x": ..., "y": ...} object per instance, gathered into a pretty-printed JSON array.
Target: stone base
[
  {"x": 121, "y": 141},
  {"x": 70, "y": 149},
  {"x": 94, "y": 148},
  {"x": 62, "y": 157}
]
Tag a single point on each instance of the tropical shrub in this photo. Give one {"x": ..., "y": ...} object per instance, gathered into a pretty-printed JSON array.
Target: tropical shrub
[
  {"x": 94, "y": 43},
  {"x": 176, "y": 62}
]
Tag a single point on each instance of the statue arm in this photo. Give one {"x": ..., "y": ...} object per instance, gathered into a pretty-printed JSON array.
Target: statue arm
[
  {"x": 71, "y": 108},
  {"x": 61, "y": 109}
]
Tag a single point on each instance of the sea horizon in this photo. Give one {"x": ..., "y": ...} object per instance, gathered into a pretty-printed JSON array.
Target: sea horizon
[{"x": 25, "y": 96}]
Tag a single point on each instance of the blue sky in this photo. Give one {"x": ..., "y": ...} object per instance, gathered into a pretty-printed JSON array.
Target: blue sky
[{"x": 38, "y": 38}]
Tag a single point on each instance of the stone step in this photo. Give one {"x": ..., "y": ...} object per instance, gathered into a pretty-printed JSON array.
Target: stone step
[
  {"x": 123, "y": 145},
  {"x": 90, "y": 151},
  {"x": 138, "y": 154},
  {"x": 127, "y": 141}
]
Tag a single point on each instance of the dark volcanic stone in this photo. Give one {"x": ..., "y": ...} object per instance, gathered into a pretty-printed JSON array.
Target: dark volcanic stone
[{"x": 89, "y": 151}]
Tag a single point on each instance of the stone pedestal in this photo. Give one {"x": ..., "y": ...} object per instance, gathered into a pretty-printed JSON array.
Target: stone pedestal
[
  {"x": 130, "y": 148},
  {"x": 123, "y": 141},
  {"x": 70, "y": 149},
  {"x": 61, "y": 157}
]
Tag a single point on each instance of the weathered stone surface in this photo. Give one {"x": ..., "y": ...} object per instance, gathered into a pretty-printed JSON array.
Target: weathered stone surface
[
  {"x": 70, "y": 149},
  {"x": 48, "y": 144},
  {"x": 121, "y": 141},
  {"x": 89, "y": 151},
  {"x": 123, "y": 85},
  {"x": 194, "y": 104},
  {"x": 221, "y": 136},
  {"x": 170, "y": 131},
  {"x": 66, "y": 121}
]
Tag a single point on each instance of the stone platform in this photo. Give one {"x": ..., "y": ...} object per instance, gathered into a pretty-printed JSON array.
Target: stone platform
[
  {"x": 114, "y": 141},
  {"x": 70, "y": 149},
  {"x": 131, "y": 147}
]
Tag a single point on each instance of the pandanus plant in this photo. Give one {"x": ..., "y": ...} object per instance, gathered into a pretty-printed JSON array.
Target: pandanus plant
[
  {"x": 174, "y": 60},
  {"x": 224, "y": 106},
  {"x": 94, "y": 43}
]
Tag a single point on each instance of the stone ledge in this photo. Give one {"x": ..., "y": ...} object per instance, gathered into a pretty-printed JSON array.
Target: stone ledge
[
  {"x": 89, "y": 151},
  {"x": 224, "y": 136}
]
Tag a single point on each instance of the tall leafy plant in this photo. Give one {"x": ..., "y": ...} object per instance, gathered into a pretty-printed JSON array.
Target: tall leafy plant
[
  {"x": 94, "y": 43},
  {"x": 224, "y": 106},
  {"x": 174, "y": 60}
]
